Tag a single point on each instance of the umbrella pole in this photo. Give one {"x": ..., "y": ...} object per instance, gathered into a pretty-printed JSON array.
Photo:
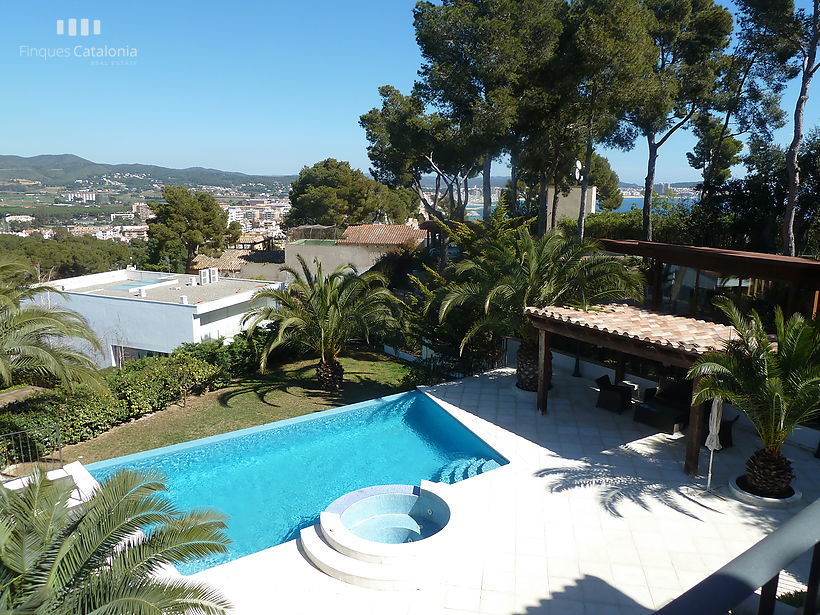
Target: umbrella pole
[{"x": 709, "y": 479}]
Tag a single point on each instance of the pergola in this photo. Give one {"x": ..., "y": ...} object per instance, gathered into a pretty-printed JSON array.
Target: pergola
[
  {"x": 626, "y": 329},
  {"x": 798, "y": 273}
]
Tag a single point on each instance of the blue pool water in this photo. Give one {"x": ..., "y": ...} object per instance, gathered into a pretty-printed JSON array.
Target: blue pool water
[
  {"x": 275, "y": 479},
  {"x": 137, "y": 283}
]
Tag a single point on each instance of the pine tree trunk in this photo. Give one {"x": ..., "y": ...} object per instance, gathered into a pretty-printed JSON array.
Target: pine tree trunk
[
  {"x": 543, "y": 187},
  {"x": 582, "y": 213},
  {"x": 648, "y": 187},
  {"x": 789, "y": 247},
  {"x": 514, "y": 182},
  {"x": 555, "y": 197},
  {"x": 488, "y": 189}
]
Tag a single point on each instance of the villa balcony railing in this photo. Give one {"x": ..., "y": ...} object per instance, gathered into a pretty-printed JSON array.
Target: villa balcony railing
[
  {"x": 759, "y": 567},
  {"x": 22, "y": 451}
]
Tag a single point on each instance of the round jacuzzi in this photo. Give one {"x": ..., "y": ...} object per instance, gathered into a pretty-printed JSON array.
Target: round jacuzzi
[
  {"x": 392, "y": 514},
  {"x": 383, "y": 537},
  {"x": 396, "y": 514}
]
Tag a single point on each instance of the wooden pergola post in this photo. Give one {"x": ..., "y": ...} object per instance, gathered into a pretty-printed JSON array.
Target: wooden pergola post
[
  {"x": 657, "y": 284},
  {"x": 697, "y": 414},
  {"x": 620, "y": 367},
  {"x": 544, "y": 369}
]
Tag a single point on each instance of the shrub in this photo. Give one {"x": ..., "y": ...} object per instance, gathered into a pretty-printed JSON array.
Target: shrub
[
  {"x": 239, "y": 357},
  {"x": 213, "y": 352},
  {"x": 152, "y": 384}
]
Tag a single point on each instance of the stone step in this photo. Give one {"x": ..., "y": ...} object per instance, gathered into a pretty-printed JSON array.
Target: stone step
[{"x": 357, "y": 571}]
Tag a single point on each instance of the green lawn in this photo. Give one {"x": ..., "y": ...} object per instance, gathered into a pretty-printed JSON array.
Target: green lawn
[{"x": 289, "y": 391}]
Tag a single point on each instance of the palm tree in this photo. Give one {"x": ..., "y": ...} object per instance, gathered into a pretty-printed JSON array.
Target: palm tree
[
  {"x": 776, "y": 383},
  {"x": 106, "y": 555},
  {"x": 35, "y": 340},
  {"x": 510, "y": 270},
  {"x": 323, "y": 313}
]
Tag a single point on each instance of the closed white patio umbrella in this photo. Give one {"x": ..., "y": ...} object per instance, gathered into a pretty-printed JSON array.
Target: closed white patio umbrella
[{"x": 713, "y": 439}]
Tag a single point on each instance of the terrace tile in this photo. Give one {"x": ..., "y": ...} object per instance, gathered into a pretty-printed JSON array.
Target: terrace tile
[{"x": 593, "y": 514}]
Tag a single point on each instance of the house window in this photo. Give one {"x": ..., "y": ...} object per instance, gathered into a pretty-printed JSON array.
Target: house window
[{"x": 123, "y": 354}]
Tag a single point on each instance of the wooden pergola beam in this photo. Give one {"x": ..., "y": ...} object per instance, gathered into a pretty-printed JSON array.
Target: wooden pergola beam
[{"x": 638, "y": 348}]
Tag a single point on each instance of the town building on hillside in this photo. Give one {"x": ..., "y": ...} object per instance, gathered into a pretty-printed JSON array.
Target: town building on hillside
[
  {"x": 22, "y": 218},
  {"x": 142, "y": 211},
  {"x": 83, "y": 196},
  {"x": 137, "y": 314},
  {"x": 134, "y": 232},
  {"x": 122, "y": 215}
]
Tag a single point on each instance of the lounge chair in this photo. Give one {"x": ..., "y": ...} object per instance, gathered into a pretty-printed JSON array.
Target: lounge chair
[
  {"x": 613, "y": 397},
  {"x": 666, "y": 407}
]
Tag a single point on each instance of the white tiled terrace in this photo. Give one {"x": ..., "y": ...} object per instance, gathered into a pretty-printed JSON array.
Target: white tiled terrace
[{"x": 593, "y": 515}]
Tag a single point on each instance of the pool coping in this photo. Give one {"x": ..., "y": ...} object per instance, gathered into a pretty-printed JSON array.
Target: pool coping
[{"x": 170, "y": 448}]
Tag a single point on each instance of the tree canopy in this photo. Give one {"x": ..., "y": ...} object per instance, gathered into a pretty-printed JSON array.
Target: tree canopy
[
  {"x": 187, "y": 223},
  {"x": 331, "y": 192},
  {"x": 606, "y": 179}
]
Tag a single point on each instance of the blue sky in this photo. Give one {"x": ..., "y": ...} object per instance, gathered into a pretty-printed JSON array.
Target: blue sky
[{"x": 252, "y": 86}]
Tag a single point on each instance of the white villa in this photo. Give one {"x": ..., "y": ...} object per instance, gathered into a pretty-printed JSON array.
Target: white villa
[{"x": 145, "y": 313}]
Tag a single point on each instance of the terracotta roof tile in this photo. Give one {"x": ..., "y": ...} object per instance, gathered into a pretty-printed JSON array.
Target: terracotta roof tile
[
  {"x": 685, "y": 334},
  {"x": 382, "y": 235},
  {"x": 230, "y": 260}
]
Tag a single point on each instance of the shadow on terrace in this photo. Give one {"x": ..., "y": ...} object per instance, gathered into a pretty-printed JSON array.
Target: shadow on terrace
[{"x": 588, "y": 594}]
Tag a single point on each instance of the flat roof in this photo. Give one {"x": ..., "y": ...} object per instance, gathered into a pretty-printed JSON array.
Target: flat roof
[
  {"x": 161, "y": 287},
  {"x": 313, "y": 242}
]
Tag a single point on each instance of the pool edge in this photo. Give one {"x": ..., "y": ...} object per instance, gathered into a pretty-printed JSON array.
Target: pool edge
[{"x": 171, "y": 448}]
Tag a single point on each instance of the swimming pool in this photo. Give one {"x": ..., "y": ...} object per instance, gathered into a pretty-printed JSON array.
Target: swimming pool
[{"x": 275, "y": 479}]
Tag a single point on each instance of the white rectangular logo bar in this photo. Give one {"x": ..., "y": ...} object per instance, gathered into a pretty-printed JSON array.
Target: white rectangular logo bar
[{"x": 87, "y": 27}]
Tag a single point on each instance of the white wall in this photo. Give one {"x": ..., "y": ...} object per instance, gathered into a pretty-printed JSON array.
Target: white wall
[
  {"x": 362, "y": 257},
  {"x": 222, "y": 322},
  {"x": 148, "y": 325},
  {"x": 569, "y": 205}
]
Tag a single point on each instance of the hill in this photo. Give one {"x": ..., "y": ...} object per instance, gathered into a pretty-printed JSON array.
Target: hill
[{"x": 64, "y": 169}]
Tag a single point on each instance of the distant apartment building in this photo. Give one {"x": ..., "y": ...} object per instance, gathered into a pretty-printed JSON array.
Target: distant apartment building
[
  {"x": 82, "y": 196},
  {"x": 122, "y": 215},
  {"x": 137, "y": 314},
  {"x": 24, "y": 219},
  {"x": 142, "y": 211},
  {"x": 134, "y": 232},
  {"x": 106, "y": 232},
  {"x": 257, "y": 213}
]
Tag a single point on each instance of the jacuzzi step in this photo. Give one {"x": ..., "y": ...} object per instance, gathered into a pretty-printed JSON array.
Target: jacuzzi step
[{"x": 355, "y": 571}]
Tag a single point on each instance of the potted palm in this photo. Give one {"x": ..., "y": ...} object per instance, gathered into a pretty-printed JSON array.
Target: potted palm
[
  {"x": 323, "y": 313},
  {"x": 774, "y": 382},
  {"x": 509, "y": 270}
]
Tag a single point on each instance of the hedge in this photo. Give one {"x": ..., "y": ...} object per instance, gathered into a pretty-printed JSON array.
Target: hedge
[
  {"x": 82, "y": 414},
  {"x": 137, "y": 389}
]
